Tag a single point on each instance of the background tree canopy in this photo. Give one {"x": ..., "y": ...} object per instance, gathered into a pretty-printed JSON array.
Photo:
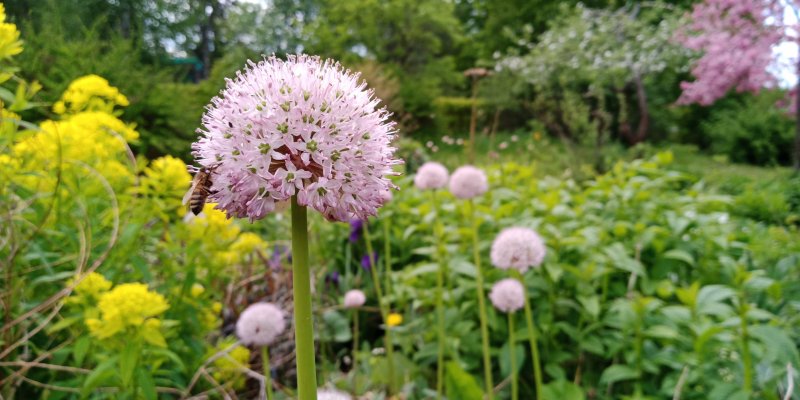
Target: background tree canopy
[{"x": 594, "y": 72}]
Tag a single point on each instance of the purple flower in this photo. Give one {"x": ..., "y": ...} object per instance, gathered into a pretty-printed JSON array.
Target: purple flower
[
  {"x": 275, "y": 258},
  {"x": 366, "y": 262},
  {"x": 302, "y": 127},
  {"x": 356, "y": 229},
  {"x": 332, "y": 278}
]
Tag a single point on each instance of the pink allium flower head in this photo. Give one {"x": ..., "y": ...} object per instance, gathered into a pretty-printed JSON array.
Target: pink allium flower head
[
  {"x": 260, "y": 324},
  {"x": 468, "y": 182},
  {"x": 431, "y": 175},
  {"x": 302, "y": 127},
  {"x": 507, "y": 295},
  {"x": 518, "y": 248},
  {"x": 332, "y": 394},
  {"x": 354, "y": 298}
]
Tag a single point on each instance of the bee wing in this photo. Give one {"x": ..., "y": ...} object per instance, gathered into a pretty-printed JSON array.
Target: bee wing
[{"x": 188, "y": 194}]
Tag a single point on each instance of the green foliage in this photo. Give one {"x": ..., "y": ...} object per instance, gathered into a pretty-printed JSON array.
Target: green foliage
[{"x": 751, "y": 129}]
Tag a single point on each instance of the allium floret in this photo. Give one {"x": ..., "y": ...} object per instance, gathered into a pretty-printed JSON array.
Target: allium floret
[
  {"x": 468, "y": 182},
  {"x": 518, "y": 248},
  {"x": 302, "y": 127},
  {"x": 508, "y": 295},
  {"x": 431, "y": 175},
  {"x": 354, "y": 298},
  {"x": 260, "y": 323}
]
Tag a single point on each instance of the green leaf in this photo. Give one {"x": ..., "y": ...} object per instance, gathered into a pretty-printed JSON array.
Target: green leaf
[
  {"x": 562, "y": 390},
  {"x": 145, "y": 382},
  {"x": 680, "y": 255},
  {"x": 80, "y": 349},
  {"x": 661, "y": 332},
  {"x": 777, "y": 343},
  {"x": 621, "y": 260},
  {"x": 460, "y": 384},
  {"x": 591, "y": 304},
  {"x": 618, "y": 372},
  {"x": 710, "y": 300},
  {"x": 505, "y": 358},
  {"x": 128, "y": 359},
  {"x": 63, "y": 324},
  {"x": 154, "y": 337},
  {"x": 99, "y": 376},
  {"x": 336, "y": 327}
]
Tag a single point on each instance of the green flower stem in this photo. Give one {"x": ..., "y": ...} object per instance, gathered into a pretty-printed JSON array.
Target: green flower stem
[
  {"x": 532, "y": 338},
  {"x": 487, "y": 360},
  {"x": 387, "y": 338},
  {"x": 387, "y": 257},
  {"x": 267, "y": 371},
  {"x": 355, "y": 352},
  {"x": 512, "y": 356},
  {"x": 747, "y": 358},
  {"x": 387, "y": 253},
  {"x": 303, "y": 318},
  {"x": 440, "y": 250}
]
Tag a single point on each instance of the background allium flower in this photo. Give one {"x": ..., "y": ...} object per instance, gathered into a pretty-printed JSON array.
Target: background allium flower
[
  {"x": 301, "y": 126},
  {"x": 507, "y": 295},
  {"x": 354, "y": 298},
  {"x": 468, "y": 182},
  {"x": 260, "y": 324},
  {"x": 518, "y": 248},
  {"x": 332, "y": 394},
  {"x": 431, "y": 175}
]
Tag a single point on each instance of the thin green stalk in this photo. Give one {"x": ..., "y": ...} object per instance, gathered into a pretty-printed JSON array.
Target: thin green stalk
[
  {"x": 532, "y": 338},
  {"x": 439, "y": 301},
  {"x": 512, "y": 357},
  {"x": 487, "y": 360},
  {"x": 387, "y": 338},
  {"x": 387, "y": 257},
  {"x": 747, "y": 360},
  {"x": 387, "y": 254},
  {"x": 303, "y": 318},
  {"x": 267, "y": 371},
  {"x": 355, "y": 352}
]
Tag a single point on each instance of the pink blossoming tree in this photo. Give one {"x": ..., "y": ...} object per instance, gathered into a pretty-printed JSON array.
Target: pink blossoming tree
[{"x": 736, "y": 39}]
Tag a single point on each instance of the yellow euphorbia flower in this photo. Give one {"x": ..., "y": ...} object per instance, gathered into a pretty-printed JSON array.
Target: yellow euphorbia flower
[
  {"x": 167, "y": 180},
  {"x": 129, "y": 305},
  {"x": 90, "y": 93},
  {"x": 247, "y": 243},
  {"x": 213, "y": 225},
  {"x": 10, "y": 45},
  {"x": 92, "y": 285},
  {"x": 227, "y": 369}
]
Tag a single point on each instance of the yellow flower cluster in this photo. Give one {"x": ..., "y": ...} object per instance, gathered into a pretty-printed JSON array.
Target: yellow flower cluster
[
  {"x": 228, "y": 368},
  {"x": 90, "y": 139},
  {"x": 89, "y": 93},
  {"x": 92, "y": 285},
  {"x": 10, "y": 45},
  {"x": 165, "y": 181},
  {"x": 129, "y": 306}
]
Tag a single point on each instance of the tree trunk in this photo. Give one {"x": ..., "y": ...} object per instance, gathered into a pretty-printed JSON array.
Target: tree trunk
[{"x": 644, "y": 115}]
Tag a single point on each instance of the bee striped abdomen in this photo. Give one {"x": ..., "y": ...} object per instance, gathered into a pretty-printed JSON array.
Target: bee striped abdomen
[{"x": 198, "y": 201}]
